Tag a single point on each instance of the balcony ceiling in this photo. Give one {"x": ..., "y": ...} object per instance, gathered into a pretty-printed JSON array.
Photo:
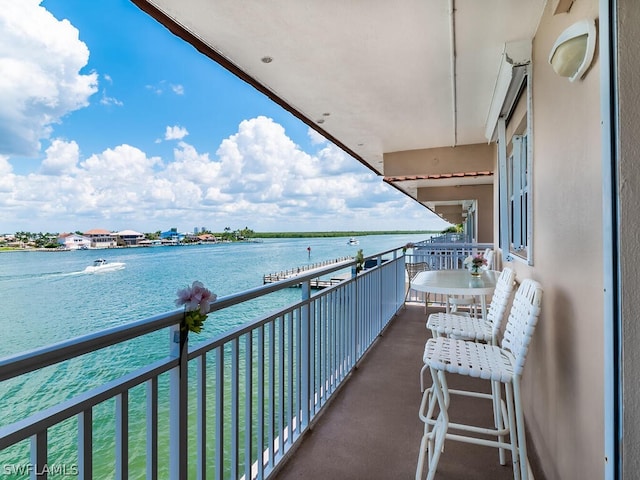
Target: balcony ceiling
[{"x": 375, "y": 76}]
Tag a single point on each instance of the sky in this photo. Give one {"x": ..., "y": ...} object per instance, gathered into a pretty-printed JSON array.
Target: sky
[{"x": 109, "y": 121}]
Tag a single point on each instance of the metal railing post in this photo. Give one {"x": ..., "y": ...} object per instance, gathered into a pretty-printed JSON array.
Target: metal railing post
[
  {"x": 39, "y": 456},
  {"x": 380, "y": 295},
  {"x": 355, "y": 312},
  {"x": 178, "y": 404},
  {"x": 305, "y": 356}
]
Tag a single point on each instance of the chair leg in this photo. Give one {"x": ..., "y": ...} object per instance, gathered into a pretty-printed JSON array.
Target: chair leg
[
  {"x": 423, "y": 448},
  {"x": 427, "y": 404},
  {"x": 425, "y": 297},
  {"x": 511, "y": 416},
  {"x": 422, "y": 370},
  {"x": 444, "y": 387},
  {"x": 435, "y": 431},
  {"x": 406, "y": 295},
  {"x": 442, "y": 422},
  {"x": 498, "y": 420},
  {"x": 522, "y": 439}
]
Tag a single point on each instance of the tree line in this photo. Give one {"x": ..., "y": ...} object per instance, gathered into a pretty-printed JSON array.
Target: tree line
[{"x": 50, "y": 240}]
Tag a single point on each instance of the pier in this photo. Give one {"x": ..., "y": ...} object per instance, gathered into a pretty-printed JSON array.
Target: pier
[{"x": 316, "y": 283}]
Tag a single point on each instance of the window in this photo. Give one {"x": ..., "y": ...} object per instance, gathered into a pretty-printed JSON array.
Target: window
[
  {"x": 518, "y": 194},
  {"x": 515, "y": 177}
]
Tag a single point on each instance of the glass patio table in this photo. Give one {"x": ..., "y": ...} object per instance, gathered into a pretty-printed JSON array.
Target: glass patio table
[{"x": 457, "y": 282}]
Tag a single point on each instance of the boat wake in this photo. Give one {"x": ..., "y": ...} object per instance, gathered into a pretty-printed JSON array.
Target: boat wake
[
  {"x": 90, "y": 270},
  {"x": 113, "y": 267},
  {"x": 39, "y": 276}
]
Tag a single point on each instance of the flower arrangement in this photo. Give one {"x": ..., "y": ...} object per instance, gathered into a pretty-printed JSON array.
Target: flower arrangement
[
  {"x": 475, "y": 263},
  {"x": 407, "y": 246},
  {"x": 196, "y": 300}
]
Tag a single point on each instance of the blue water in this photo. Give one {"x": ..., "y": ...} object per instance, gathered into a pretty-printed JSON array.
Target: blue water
[{"x": 46, "y": 297}]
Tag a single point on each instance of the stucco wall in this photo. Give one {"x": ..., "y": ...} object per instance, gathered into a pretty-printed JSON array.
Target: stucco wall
[
  {"x": 563, "y": 377},
  {"x": 482, "y": 193},
  {"x": 629, "y": 193}
]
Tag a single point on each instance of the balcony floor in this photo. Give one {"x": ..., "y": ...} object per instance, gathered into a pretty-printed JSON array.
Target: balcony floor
[{"x": 371, "y": 430}]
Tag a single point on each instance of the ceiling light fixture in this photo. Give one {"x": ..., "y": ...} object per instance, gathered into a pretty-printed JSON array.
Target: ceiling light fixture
[{"x": 573, "y": 51}]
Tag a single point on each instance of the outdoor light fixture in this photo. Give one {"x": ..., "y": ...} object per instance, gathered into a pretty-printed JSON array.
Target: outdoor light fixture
[{"x": 573, "y": 51}]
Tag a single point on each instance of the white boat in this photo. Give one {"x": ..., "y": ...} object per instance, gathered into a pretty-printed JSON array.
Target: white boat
[
  {"x": 101, "y": 265},
  {"x": 353, "y": 241}
]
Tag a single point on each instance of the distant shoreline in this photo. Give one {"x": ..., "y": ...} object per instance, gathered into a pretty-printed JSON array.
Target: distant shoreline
[
  {"x": 339, "y": 233},
  {"x": 256, "y": 236}
]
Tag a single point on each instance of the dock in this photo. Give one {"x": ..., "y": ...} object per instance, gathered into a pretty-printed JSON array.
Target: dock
[{"x": 316, "y": 283}]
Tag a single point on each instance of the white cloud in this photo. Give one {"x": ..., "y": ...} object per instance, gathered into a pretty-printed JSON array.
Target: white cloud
[
  {"x": 192, "y": 166},
  {"x": 62, "y": 157},
  {"x": 40, "y": 61},
  {"x": 122, "y": 166},
  {"x": 5, "y": 166},
  {"x": 335, "y": 160},
  {"x": 107, "y": 100},
  {"x": 258, "y": 178},
  {"x": 163, "y": 85},
  {"x": 175, "y": 133},
  {"x": 154, "y": 88},
  {"x": 7, "y": 178},
  {"x": 315, "y": 137}
]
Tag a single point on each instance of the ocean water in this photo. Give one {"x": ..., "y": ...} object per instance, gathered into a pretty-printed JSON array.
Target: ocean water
[{"x": 46, "y": 297}]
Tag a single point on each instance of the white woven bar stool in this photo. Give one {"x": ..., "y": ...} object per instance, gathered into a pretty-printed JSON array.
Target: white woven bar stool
[
  {"x": 464, "y": 327},
  {"x": 498, "y": 364}
]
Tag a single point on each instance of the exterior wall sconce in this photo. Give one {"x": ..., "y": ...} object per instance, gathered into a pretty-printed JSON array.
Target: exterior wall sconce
[{"x": 573, "y": 51}]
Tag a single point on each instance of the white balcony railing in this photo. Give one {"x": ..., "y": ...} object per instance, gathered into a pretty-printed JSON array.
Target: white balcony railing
[
  {"x": 445, "y": 256},
  {"x": 229, "y": 407}
]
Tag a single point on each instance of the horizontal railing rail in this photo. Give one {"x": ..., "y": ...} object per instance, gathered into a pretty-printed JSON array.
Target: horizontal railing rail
[
  {"x": 445, "y": 256},
  {"x": 232, "y": 405},
  {"x": 23, "y": 363}
]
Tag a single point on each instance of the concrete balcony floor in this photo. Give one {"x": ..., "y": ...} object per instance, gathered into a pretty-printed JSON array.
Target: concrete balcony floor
[{"x": 371, "y": 430}]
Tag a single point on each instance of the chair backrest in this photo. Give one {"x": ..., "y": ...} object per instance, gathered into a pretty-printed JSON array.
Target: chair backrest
[
  {"x": 414, "y": 268},
  {"x": 500, "y": 299},
  {"x": 522, "y": 322}
]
